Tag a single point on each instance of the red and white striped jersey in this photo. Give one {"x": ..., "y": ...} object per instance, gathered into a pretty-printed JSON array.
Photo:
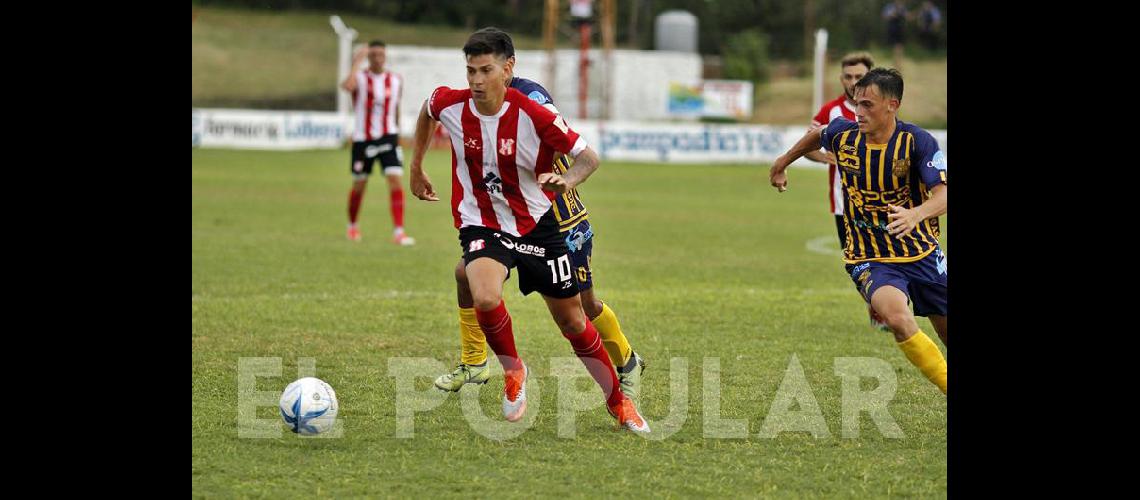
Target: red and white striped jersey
[
  {"x": 375, "y": 102},
  {"x": 495, "y": 160},
  {"x": 831, "y": 110}
]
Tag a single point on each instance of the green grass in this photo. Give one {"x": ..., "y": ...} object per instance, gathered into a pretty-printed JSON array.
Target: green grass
[
  {"x": 697, "y": 261},
  {"x": 287, "y": 60},
  {"x": 787, "y": 99}
]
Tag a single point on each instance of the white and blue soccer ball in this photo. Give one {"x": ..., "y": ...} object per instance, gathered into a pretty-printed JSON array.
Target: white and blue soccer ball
[{"x": 309, "y": 406}]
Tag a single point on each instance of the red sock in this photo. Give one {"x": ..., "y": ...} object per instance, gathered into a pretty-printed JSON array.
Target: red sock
[
  {"x": 496, "y": 326},
  {"x": 354, "y": 198},
  {"x": 588, "y": 347},
  {"x": 397, "y": 199}
]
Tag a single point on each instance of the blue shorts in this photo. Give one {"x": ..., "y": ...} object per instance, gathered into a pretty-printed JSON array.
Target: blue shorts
[
  {"x": 580, "y": 241},
  {"x": 923, "y": 281}
]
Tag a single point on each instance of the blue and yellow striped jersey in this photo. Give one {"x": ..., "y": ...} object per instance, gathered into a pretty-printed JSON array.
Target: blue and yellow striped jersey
[
  {"x": 901, "y": 172},
  {"x": 568, "y": 207}
]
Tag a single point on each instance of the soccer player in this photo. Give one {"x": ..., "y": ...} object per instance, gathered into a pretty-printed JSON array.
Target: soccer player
[
  {"x": 376, "y": 99},
  {"x": 573, "y": 222},
  {"x": 894, "y": 181},
  {"x": 852, "y": 67},
  {"x": 503, "y": 150}
]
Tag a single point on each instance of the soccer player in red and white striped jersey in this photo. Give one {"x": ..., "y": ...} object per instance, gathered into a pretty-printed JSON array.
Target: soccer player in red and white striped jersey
[
  {"x": 853, "y": 67},
  {"x": 502, "y": 180},
  {"x": 375, "y": 136}
]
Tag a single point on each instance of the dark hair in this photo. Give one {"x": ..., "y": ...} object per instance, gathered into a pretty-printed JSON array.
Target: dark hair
[
  {"x": 490, "y": 41},
  {"x": 376, "y": 43},
  {"x": 889, "y": 81},
  {"x": 854, "y": 58}
]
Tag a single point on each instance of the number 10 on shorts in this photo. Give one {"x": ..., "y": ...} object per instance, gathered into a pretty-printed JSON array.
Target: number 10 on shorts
[{"x": 561, "y": 271}]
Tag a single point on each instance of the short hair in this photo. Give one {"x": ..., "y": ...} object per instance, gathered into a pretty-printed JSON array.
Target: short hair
[
  {"x": 376, "y": 43},
  {"x": 854, "y": 58},
  {"x": 889, "y": 81},
  {"x": 490, "y": 40}
]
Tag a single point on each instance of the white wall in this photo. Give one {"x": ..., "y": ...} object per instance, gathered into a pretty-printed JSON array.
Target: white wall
[{"x": 641, "y": 78}]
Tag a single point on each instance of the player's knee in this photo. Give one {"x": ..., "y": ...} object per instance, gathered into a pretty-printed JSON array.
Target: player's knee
[
  {"x": 571, "y": 323},
  {"x": 900, "y": 321},
  {"x": 486, "y": 301},
  {"x": 592, "y": 308}
]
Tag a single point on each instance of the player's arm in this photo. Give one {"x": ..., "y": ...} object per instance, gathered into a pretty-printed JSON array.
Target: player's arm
[
  {"x": 904, "y": 220},
  {"x": 349, "y": 82},
  {"x": 931, "y": 169},
  {"x": 821, "y": 156},
  {"x": 808, "y": 143},
  {"x": 419, "y": 182},
  {"x": 584, "y": 165}
]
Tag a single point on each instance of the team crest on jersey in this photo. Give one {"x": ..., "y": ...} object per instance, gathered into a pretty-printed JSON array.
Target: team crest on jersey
[
  {"x": 471, "y": 143},
  {"x": 506, "y": 147},
  {"x": 476, "y": 245},
  {"x": 900, "y": 167},
  {"x": 848, "y": 157}
]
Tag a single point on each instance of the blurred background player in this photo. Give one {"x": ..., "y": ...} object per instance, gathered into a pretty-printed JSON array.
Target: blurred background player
[
  {"x": 895, "y": 15},
  {"x": 852, "y": 68},
  {"x": 503, "y": 148},
  {"x": 573, "y": 222},
  {"x": 894, "y": 174},
  {"x": 375, "y": 98}
]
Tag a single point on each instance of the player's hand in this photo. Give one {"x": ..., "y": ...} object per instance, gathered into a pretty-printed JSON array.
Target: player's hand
[
  {"x": 421, "y": 185},
  {"x": 553, "y": 182},
  {"x": 903, "y": 220},
  {"x": 778, "y": 175},
  {"x": 360, "y": 54}
]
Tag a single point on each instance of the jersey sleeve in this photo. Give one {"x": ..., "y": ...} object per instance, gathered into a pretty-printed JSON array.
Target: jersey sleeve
[
  {"x": 552, "y": 129},
  {"x": 441, "y": 98},
  {"x": 836, "y": 127},
  {"x": 931, "y": 159}
]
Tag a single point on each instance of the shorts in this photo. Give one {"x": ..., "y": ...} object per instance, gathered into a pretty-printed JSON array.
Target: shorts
[
  {"x": 923, "y": 281},
  {"x": 541, "y": 256},
  {"x": 386, "y": 149}
]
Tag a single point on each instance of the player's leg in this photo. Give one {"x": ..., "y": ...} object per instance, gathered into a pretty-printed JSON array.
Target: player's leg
[
  {"x": 628, "y": 363},
  {"x": 392, "y": 162},
  {"x": 472, "y": 368},
  {"x": 360, "y": 168},
  {"x": 583, "y": 336},
  {"x": 928, "y": 290},
  {"x": 485, "y": 277},
  {"x": 891, "y": 304},
  {"x": 939, "y": 322},
  {"x": 553, "y": 276}
]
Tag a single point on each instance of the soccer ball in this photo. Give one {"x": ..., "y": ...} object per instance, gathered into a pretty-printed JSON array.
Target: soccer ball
[{"x": 309, "y": 406}]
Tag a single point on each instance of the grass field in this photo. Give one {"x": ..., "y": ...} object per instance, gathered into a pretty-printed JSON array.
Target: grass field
[{"x": 697, "y": 261}]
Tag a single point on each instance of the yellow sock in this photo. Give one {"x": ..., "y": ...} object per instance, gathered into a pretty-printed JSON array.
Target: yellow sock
[
  {"x": 614, "y": 341},
  {"x": 471, "y": 339},
  {"x": 922, "y": 352}
]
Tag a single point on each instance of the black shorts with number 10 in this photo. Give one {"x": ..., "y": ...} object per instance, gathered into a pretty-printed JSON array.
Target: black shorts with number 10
[{"x": 542, "y": 257}]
